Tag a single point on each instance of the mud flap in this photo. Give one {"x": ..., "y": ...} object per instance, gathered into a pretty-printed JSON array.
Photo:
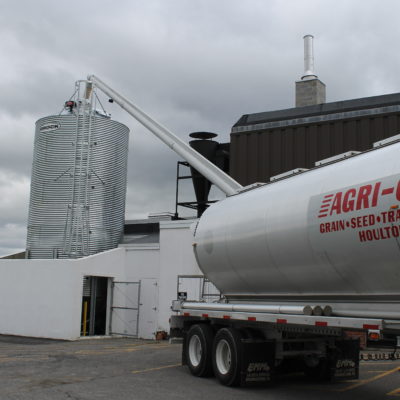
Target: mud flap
[
  {"x": 258, "y": 360},
  {"x": 344, "y": 361},
  {"x": 183, "y": 356}
]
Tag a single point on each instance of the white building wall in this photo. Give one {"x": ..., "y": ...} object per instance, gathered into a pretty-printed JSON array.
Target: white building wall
[
  {"x": 157, "y": 267},
  {"x": 176, "y": 258},
  {"x": 43, "y": 298},
  {"x": 28, "y": 294},
  {"x": 142, "y": 261}
]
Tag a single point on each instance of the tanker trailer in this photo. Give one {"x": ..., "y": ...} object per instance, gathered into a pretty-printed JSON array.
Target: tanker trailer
[{"x": 307, "y": 266}]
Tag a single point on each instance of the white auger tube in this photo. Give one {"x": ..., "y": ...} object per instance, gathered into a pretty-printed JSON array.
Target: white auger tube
[{"x": 214, "y": 174}]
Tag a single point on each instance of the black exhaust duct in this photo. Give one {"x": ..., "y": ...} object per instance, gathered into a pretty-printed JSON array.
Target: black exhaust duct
[{"x": 208, "y": 149}]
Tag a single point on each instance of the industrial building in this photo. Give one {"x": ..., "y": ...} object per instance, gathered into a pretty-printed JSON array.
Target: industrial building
[
  {"x": 274, "y": 142},
  {"x": 270, "y": 143},
  {"x": 87, "y": 271}
]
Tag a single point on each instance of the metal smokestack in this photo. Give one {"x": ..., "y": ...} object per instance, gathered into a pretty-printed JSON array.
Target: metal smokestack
[
  {"x": 309, "y": 90},
  {"x": 309, "y": 72}
]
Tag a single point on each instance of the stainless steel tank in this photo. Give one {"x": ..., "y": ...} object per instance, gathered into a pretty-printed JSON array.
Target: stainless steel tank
[
  {"x": 329, "y": 233},
  {"x": 78, "y": 186}
]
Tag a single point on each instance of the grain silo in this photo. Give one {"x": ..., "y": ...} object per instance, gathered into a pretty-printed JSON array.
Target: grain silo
[{"x": 78, "y": 186}]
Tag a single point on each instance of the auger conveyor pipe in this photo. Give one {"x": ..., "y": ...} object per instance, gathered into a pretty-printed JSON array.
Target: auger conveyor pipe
[{"x": 214, "y": 174}]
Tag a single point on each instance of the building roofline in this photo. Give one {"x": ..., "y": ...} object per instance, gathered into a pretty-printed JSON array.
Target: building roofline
[{"x": 336, "y": 107}]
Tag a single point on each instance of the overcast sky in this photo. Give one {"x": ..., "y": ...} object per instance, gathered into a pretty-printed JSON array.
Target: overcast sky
[{"x": 191, "y": 64}]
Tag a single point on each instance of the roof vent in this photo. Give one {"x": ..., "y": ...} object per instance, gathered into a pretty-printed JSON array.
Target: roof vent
[
  {"x": 336, "y": 158},
  {"x": 389, "y": 140},
  {"x": 287, "y": 174}
]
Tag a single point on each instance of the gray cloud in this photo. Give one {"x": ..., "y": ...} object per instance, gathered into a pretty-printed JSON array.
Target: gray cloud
[{"x": 194, "y": 65}]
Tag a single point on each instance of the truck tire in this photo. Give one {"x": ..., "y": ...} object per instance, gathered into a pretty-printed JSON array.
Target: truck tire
[
  {"x": 227, "y": 356},
  {"x": 198, "y": 350}
]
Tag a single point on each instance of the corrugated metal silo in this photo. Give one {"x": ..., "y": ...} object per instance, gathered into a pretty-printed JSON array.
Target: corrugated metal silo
[{"x": 78, "y": 187}]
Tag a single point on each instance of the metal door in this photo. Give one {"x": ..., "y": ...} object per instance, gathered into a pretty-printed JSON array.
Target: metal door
[
  {"x": 148, "y": 308},
  {"x": 124, "y": 318}
]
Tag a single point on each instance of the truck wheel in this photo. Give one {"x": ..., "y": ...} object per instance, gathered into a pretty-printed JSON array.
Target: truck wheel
[
  {"x": 198, "y": 349},
  {"x": 227, "y": 356}
]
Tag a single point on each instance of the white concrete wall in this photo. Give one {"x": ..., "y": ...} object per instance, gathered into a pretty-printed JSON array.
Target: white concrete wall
[
  {"x": 29, "y": 291},
  {"x": 176, "y": 258},
  {"x": 142, "y": 262},
  {"x": 43, "y": 298},
  {"x": 162, "y": 264}
]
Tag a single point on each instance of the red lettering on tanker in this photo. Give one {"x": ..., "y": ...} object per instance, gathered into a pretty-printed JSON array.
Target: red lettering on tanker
[
  {"x": 369, "y": 226},
  {"x": 354, "y": 199}
]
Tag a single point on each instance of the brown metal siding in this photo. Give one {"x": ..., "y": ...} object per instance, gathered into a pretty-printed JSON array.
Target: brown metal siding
[{"x": 258, "y": 155}]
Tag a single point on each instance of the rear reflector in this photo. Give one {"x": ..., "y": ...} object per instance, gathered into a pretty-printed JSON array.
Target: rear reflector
[
  {"x": 281, "y": 321},
  {"x": 227, "y": 317},
  {"x": 367, "y": 326},
  {"x": 204, "y": 315},
  {"x": 186, "y": 314},
  {"x": 374, "y": 335},
  {"x": 252, "y": 319},
  {"x": 321, "y": 323}
]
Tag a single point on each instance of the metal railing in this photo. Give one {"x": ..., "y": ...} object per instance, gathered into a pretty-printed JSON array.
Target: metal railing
[{"x": 196, "y": 288}]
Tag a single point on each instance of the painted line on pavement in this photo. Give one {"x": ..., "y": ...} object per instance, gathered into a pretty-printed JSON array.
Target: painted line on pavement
[
  {"x": 372, "y": 379},
  {"x": 123, "y": 350},
  {"x": 139, "y": 371},
  {"x": 13, "y": 359},
  {"x": 395, "y": 392}
]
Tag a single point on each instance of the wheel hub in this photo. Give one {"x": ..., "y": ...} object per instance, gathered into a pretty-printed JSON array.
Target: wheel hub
[
  {"x": 223, "y": 356},
  {"x": 195, "y": 350}
]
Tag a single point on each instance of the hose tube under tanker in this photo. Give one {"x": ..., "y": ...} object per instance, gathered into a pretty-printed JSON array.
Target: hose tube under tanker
[
  {"x": 330, "y": 233},
  {"x": 260, "y": 308}
]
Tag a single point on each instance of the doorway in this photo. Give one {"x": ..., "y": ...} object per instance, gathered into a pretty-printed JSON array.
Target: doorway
[{"x": 94, "y": 306}]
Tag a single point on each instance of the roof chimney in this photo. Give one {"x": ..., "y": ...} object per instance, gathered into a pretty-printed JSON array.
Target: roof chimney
[
  {"x": 308, "y": 58},
  {"x": 309, "y": 90}
]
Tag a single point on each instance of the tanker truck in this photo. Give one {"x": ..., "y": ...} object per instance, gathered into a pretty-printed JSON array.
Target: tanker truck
[{"x": 307, "y": 265}]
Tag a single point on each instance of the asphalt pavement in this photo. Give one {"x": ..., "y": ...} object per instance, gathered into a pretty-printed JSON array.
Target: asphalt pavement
[{"x": 123, "y": 369}]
